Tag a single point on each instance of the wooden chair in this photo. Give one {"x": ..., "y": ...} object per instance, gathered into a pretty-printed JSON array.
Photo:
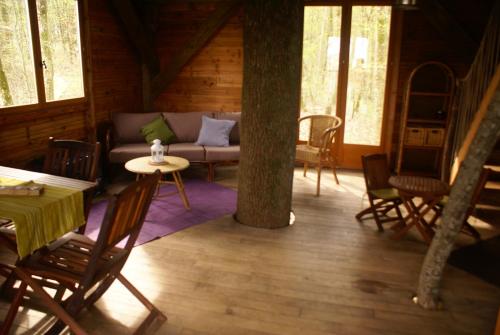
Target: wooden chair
[
  {"x": 74, "y": 159},
  {"x": 381, "y": 196},
  {"x": 88, "y": 268},
  {"x": 467, "y": 228},
  {"x": 318, "y": 150}
]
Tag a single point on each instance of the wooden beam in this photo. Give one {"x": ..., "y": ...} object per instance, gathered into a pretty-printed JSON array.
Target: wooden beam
[
  {"x": 445, "y": 23},
  {"x": 209, "y": 28},
  {"x": 138, "y": 34}
]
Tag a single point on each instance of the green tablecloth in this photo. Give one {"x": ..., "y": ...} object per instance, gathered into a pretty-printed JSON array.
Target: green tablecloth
[{"x": 40, "y": 220}]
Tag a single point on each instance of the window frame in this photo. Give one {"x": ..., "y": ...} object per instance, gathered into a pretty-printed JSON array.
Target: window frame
[{"x": 42, "y": 103}]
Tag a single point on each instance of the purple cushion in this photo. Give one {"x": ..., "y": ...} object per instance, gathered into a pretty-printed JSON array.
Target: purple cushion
[
  {"x": 186, "y": 126},
  {"x": 128, "y": 126},
  {"x": 215, "y": 132},
  {"x": 234, "y": 136}
]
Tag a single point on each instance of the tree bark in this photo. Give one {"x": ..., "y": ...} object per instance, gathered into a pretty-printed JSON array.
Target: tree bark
[
  {"x": 4, "y": 88},
  {"x": 270, "y": 106},
  {"x": 455, "y": 210}
]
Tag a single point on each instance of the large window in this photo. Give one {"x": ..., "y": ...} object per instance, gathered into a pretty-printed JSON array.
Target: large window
[{"x": 40, "y": 54}]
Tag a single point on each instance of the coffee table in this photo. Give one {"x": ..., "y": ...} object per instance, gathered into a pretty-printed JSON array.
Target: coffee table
[{"x": 173, "y": 165}]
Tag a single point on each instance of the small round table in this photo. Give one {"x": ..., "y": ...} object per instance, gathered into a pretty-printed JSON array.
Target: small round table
[
  {"x": 430, "y": 190},
  {"x": 142, "y": 166}
]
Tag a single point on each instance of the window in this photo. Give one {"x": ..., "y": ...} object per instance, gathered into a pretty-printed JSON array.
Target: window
[{"x": 40, "y": 54}]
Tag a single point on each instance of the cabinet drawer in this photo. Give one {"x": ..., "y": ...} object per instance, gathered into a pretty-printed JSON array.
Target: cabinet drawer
[
  {"x": 415, "y": 136},
  {"x": 434, "y": 137}
]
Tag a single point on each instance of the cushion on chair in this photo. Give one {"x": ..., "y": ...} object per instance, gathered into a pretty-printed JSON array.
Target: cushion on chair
[
  {"x": 219, "y": 154},
  {"x": 234, "y": 136},
  {"x": 385, "y": 193},
  {"x": 128, "y": 126},
  {"x": 157, "y": 129},
  {"x": 126, "y": 152},
  {"x": 186, "y": 126},
  {"x": 307, "y": 153},
  {"x": 214, "y": 132},
  {"x": 189, "y": 151}
]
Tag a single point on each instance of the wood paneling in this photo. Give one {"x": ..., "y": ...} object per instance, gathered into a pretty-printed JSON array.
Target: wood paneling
[{"x": 211, "y": 81}]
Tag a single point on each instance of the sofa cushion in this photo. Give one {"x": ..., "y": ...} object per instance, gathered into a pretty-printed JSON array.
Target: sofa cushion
[
  {"x": 128, "y": 126},
  {"x": 186, "y": 126},
  {"x": 234, "y": 136},
  {"x": 157, "y": 129},
  {"x": 189, "y": 151},
  {"x": 125, "y": 152},
  {"x": 214, "y": 132},
  {"x": 217, "y": 154}
]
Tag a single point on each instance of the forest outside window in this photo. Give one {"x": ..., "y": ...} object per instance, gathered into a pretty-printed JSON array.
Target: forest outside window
[{"x": 40, "y": 53}]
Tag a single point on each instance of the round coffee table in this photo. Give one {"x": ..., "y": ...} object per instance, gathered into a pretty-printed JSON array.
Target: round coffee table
[{"x": 142, "y": 166}]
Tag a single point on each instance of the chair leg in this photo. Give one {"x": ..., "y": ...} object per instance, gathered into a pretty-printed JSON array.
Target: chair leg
[
  {"x": 306, "y": 165},
  {"x": 471, "y": 230},
  {"x": 318, "y": 183},
  {"x": 154, "y": 312},
  {"x": 11, "y": 314},
  {"x": 59, "y": 311},
  {"x": 334, "y": 170}
]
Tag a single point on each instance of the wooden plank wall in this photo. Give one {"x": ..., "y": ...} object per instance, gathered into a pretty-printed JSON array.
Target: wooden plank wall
[
  {"x": 212, "y": 81},
  {"x": 117, "y": 76}
]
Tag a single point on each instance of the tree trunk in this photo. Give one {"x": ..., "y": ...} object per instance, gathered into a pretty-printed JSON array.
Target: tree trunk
[
  {"x": 270, "y": 106},
  {"x": 46, "y": 44},
  {"x": 4, "y": 88},
  {"x": 454, "y": 212}
]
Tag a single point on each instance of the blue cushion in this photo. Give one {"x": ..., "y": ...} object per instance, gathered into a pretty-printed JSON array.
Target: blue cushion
[{"x": 214, "y": 132}]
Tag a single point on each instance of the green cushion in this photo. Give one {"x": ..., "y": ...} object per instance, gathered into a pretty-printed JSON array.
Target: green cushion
[
  {"x": 158, "y": 129},
  {"x": 385, "y": 193}
]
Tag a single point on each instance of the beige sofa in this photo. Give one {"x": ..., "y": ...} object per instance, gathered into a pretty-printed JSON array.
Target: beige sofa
[{"x": 125, "y": 141}]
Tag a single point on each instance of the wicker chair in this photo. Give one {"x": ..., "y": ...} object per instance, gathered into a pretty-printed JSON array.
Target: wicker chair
[{"x": 318, "y": 150}]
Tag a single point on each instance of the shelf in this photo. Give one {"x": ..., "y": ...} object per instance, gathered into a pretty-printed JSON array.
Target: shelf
[
  {"x": 427, "y": 121},
  {"x": 431, "y": 94}
]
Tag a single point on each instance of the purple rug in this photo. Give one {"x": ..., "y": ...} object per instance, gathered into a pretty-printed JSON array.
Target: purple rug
[{"x": 167, "y": 215}]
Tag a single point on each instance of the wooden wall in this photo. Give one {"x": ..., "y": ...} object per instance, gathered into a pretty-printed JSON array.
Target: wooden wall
[
  {"x": 212, "y": 81},
  {"x": 117, "y": 74}
]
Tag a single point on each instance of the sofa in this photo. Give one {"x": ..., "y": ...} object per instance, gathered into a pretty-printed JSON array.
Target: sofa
[{"x": 124, "y": 140}]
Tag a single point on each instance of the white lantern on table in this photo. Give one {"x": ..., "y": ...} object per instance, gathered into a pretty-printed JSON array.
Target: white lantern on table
[{"x": 157, "y": 152}]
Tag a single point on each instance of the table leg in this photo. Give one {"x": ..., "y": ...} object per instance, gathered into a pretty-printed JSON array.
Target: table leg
[
  {"x": 180, "y": 188},
  {"x": 415, "y": 217}
]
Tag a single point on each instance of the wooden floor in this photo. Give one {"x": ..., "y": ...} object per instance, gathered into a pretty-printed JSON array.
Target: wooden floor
[{"x": 325, "y": 274}]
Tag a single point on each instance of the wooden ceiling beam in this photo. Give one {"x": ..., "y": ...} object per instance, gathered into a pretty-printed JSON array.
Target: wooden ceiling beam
[
  {"x": 445, "y": 23},
  {"x": 138, "y": 34},
  {"x": 204, "y": 34}
]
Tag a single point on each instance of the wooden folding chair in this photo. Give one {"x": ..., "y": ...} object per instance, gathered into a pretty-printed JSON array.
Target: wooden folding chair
[
  {"x": 88, "y": 268},
  {"x": 467, "y": 228},
  {"x": 381, "y": 196}
]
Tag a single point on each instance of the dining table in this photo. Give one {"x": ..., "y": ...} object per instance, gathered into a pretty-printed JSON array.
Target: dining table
[
  {"x": 419, "y": 195},
  {"x": 40, "y": 219}
]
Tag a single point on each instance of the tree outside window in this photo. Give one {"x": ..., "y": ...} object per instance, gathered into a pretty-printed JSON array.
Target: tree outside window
[{"x": 58, "y": 40}]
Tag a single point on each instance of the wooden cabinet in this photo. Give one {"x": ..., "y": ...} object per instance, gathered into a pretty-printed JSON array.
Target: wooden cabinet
[{"x": 425, "y": 120}]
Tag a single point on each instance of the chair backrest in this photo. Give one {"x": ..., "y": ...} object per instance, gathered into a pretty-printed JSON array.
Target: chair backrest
[
  {"x": 124, "y": 218},
  {"x": 318, "y": 125},
  {"x": 73, "y": 159},
  {"x": 376, "y": 171}
]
